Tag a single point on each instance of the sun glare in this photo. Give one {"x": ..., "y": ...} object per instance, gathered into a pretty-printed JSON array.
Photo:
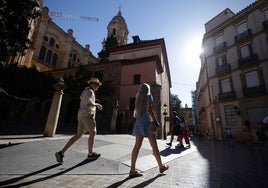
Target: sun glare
[{"x": 192, "y": 51}]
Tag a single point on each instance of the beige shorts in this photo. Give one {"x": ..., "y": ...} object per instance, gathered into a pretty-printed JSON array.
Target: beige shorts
[{"x": 86, "y": 124}]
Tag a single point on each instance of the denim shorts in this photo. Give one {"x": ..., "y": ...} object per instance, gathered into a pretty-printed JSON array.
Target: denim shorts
[{"x": 141, "y": 127}]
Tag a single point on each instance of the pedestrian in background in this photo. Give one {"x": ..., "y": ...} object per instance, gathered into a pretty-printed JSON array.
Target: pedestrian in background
[
  {"x": 86, "y": 120},
  {"x": 246, "y": 133},
  {"x": 175, "y": 128},
  {"x": 184, "y": 134},
  {"x": 229, "y": 135},
  {"x": 208, "y": 134},
  {"x": 144, "y": 115},
  {"x": 261, "y": 132},
  {"x": 265, "y": 121}
]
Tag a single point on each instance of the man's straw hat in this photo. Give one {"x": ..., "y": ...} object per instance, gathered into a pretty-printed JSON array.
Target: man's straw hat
[{"x": 95, "y": 80}]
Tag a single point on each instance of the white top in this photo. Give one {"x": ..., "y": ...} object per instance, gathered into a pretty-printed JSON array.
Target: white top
[
  {"x": 87, "y": 97},
  {"x": 265, "y": 120}
]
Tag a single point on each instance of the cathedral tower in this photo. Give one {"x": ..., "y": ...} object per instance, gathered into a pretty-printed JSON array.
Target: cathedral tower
[{"x": 118, "y": 28}]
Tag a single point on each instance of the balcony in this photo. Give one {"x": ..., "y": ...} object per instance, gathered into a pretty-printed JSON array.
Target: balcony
[
  {"x": 265, "y": 24},
  {"x": 228, "y": 95},
  {"x": 219, "y": 47},
  {"x": 248, "y": 60},
  {"x": 243, "y": 35},
  {"x": 223, "y": 69},
  {"x": 254, "y": 90}
]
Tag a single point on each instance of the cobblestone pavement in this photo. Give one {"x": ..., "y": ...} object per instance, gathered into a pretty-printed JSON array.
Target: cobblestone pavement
[{"x": 211, "y": 164}]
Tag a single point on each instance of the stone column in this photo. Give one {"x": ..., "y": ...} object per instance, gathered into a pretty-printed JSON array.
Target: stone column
[
  {"x": 114, "y": 116},
  {"x": 54, "y": 111}
]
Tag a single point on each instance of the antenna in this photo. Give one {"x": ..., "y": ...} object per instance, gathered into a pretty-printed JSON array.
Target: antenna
[{"x": 64, "y": 15}]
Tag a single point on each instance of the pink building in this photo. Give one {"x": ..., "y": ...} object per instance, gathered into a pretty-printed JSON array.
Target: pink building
[{"x": 143, "y": 62}]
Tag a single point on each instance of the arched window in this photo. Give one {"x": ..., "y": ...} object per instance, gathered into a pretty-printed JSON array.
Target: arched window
[
  {"x": 48, "y": 57},
  {"x": 45, "y": 38},
  {"x": 74, "y": 57},
  {"x": 42, "y": 53},
  {"x": 52, "y": 42},
  {"x": 54, "y": 60}
]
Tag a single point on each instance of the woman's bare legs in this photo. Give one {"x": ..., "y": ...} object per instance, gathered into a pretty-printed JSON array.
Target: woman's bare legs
[
  {"x": 135, "y": 153},
  {"x": 156, "y": 153}
]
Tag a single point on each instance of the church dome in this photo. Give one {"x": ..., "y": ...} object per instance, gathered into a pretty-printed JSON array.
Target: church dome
[
  {"x": 118, "y": 20},
  {"x": 118, "y": 29}
]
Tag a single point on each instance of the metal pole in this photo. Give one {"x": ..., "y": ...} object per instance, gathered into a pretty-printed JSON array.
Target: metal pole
[
  {"x": 165, "y": 133},
  {"x": 165, "y": 115}
]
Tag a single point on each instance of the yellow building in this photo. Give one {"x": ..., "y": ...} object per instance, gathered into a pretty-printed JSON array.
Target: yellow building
[{"x": 53, "y": 48}]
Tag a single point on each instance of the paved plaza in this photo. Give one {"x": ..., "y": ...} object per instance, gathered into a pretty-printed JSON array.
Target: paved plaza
[{"x": 29, "y": 161}]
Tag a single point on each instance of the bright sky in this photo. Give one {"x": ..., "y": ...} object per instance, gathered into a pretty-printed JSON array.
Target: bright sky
[{"x": 179, "y": 22}]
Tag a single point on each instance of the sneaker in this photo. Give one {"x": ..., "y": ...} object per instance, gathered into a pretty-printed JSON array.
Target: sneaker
[
  {"x": 59, "y": 157},
  {"x": 180, "y": 146},
  {"x": 169, "y": 144},
  {"x": 94, "y": 155}
]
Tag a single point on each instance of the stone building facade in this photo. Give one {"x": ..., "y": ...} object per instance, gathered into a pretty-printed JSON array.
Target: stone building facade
[
  {"x": 233, "y": 79},
  {"x": 52, "y": 48},
  {"x": 128, "y": 65}
]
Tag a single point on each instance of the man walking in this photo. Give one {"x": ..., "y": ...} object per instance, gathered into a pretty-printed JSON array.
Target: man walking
[{"x": 86, "y": 120}]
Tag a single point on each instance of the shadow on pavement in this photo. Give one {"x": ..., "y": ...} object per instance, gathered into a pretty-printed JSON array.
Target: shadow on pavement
[
  {"x": 8, "y": 145},
  {"x": 143, "y": 184},
  {"x": 168, "y": 151},
  {"x": 117, "y": 184},
  {"x": 149, "y": 181},
  {"x": 11, "y": 181},
  {"x": 11, "y": 137},
  {"x": 11, "y": 140},
  {"x": 233, "y": 164}
]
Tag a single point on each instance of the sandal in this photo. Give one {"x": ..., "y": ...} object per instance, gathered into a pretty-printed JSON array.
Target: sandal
[
  {"x": 164, "y": 168},
  {"x": 134, "y": 174}
]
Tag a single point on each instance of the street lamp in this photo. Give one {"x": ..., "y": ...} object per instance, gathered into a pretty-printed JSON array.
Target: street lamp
[{"x": 165, "y": 115}]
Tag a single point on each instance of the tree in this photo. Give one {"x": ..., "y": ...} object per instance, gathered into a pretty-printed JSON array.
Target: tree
[
  {"x": 20, "y": 85},
  {"x": 14, "y": 20},
  {"x": 111, "y": 42},
  {"x": 76, "y": 84},
  {"x": 176, "y": 104},
  {"x": 25, "y": 82}
]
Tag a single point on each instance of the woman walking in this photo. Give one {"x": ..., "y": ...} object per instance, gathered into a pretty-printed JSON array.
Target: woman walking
[{"x": 144, "y": 115}]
